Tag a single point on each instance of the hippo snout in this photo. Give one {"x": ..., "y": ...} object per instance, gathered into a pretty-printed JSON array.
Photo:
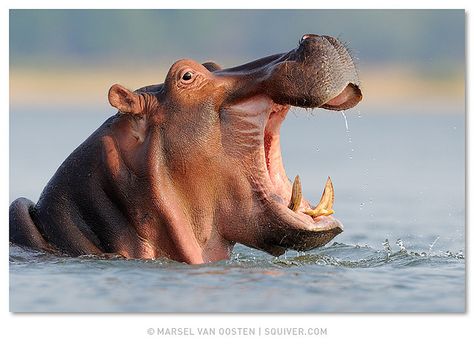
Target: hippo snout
[
  {"x": 326, "y": 74},
  {"x": 319, "y": 73}
]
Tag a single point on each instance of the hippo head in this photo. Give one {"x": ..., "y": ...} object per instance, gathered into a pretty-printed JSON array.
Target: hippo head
[{"x": 200, "y": 161}]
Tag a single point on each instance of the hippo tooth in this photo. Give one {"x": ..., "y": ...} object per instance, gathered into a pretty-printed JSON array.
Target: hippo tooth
[
  {"x": 296, "y": 195},
  {"x": 324, "y": 208}
]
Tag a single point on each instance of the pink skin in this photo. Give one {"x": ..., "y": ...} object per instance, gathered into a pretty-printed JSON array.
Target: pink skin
[
  {"x": 269, "y": 178},
  {"x": 190, "y": 167}
]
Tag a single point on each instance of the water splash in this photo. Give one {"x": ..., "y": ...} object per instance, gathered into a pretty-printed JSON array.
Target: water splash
[
  {"x": 357, "y": 256},
  {"x": 401, "y": 245},
  {"x": 387, "y": 248}
]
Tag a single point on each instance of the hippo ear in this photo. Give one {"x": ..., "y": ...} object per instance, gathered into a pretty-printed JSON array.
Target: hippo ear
[
  {"x": 124, "y": 100},
  {"x": 212, "y": 66}
]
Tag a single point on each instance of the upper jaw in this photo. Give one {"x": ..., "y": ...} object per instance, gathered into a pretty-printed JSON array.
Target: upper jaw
[
  {"x": 318, "y": 73},
  {"x": 347, "y": 98}
]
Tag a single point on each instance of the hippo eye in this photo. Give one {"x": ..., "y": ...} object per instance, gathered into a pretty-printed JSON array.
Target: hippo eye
[{"x": 187, "y": 76}]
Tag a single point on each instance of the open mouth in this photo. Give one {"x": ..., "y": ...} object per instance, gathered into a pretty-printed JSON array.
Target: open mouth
[{"x": 287, "y": 196}]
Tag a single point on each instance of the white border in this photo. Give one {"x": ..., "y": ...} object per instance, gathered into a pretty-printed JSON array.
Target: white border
[{"x": 113, "y": 330}]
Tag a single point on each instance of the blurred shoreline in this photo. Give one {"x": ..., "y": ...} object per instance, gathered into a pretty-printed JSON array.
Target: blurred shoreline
[{"x": 383, "y": 86}]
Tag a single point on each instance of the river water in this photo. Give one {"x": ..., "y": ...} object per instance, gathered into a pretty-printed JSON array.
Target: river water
[{"x": 399, "y": 179}]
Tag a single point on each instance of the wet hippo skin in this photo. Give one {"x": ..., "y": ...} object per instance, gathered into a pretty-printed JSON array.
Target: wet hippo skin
[{"x": 189, "y": 167}]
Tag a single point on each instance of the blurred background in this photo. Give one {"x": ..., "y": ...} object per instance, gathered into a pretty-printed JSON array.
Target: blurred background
[
  {"x": 397, "y": 164},
  {"x": 411, "y": 53}
]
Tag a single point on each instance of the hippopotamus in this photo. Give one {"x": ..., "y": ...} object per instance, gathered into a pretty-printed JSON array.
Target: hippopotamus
[{"x": 189, "y": 167}]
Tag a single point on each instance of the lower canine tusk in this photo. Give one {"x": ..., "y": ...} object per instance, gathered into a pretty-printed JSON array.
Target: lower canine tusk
[
  {"x": 324, "y": 208},
  {"x": 296, "y": 195}
]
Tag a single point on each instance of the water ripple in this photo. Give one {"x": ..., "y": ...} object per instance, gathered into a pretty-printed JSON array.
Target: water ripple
[{"x": 335, "y": 255}]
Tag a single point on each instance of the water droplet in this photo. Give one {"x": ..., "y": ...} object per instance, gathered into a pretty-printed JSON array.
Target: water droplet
[
  {"x": 345, "y": 120},
  {"x": 317, "y": 148},
  {"x": 359, "y": 115},
  {"x": 432, "y": 244}
]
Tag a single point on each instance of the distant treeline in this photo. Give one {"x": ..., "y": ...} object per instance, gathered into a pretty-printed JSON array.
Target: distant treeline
[{"x": 417, "y": 37}]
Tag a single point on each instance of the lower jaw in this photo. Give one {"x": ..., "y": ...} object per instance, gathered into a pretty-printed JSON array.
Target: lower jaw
[
  {"x": 276, "y": 199},
  {"x": 301, "y": 221},
  {"x": 284, "y": 229}
]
